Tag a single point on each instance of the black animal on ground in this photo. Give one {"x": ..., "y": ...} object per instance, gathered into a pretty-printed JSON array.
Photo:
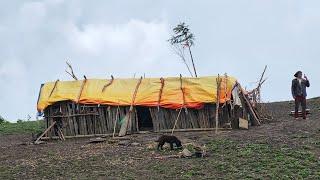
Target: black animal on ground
[{"x": 168, "y": 139}]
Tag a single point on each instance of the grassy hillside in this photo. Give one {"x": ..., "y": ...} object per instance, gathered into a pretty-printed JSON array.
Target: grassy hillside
[
  {"x": 282, "y": 148},
  {"x": 22, "y": 127}
]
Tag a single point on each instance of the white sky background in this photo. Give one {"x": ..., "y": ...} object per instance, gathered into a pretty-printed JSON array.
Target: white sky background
[{"x": 101, "y": 38}]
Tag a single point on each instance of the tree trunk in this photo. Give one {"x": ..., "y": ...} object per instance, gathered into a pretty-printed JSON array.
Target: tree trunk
[{"x": 194, "y": 68}]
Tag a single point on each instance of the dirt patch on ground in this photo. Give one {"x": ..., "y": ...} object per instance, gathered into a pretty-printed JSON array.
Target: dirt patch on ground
[{"x": 282, "y": 147}]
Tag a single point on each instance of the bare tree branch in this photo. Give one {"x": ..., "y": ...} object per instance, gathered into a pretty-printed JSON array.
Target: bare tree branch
[
  {"x": 178, "y": 50},
  {"x": 71, "y": 73}
]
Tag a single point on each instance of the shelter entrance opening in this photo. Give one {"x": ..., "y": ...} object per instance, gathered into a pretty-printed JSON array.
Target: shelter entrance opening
[{"x": 144, "y": 118}]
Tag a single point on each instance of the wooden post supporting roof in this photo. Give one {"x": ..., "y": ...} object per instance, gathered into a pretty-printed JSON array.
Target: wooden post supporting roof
[
  {"x": 183, "y": 95},
  {"x": 81, "y": 89},
  {"x": 127, "y": 119},
  {"x": 218, "y": 102},
  {"x": 115, "y": 121},
  {"x": 160, "y": 93}
]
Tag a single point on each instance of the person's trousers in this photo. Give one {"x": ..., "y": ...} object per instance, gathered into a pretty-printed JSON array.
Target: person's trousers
[{"x": 300, "y": 100}]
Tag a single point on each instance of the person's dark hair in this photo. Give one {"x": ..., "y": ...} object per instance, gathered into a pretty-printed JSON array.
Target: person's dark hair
[{"x": 297, "y": 73}]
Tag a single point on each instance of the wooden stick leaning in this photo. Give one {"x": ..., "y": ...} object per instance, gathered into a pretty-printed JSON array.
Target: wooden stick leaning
[
  {"x": 262, "y": 75},
  {"x": 45, "y": 132},
  {"x": 108, "y": 84},
  {"x": 175, "y": 123},
  {"x": 61, "y": 134},
  {"x": 54, "y": 87},
  {"x": 251, "y": 110},
  {"x": 124, "y": 126},
  {"x": 183, "y": 105},
  {"x": 81, "y": 89},
  {"x": 218, "y": 103},
  {"x": 115, "y": 121}
]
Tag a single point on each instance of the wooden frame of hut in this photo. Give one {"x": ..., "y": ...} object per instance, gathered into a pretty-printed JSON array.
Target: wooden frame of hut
[{"x": 99, "y": 107}]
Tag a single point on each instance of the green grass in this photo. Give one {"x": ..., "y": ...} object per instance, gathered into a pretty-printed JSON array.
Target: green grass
[
  {"x": 23, "y": 127},
  {"x": 255, "y": 160},
  {"x": 227, "y": 160},
  {"x": 235, "y": 160}
]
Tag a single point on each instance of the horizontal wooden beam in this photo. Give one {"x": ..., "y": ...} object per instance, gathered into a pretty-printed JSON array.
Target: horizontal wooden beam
[
  {"x": 191, "y": 130},
  {"x": 77, "y": 136},
  {"x": 73, "y": 115}
]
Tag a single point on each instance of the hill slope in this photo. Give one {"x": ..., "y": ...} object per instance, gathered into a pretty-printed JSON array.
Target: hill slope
[{"x": 283, "y": 148}]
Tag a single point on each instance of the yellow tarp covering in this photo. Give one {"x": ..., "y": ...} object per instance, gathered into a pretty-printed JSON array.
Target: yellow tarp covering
[{"x": 196, "y": 91}]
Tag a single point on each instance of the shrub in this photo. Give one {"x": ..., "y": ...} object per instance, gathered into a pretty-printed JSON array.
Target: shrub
[{"x": 2, "y": 120}]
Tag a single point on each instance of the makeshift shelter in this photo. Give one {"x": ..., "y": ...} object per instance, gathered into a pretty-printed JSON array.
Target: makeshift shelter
[{"x": 106, "y": 106}]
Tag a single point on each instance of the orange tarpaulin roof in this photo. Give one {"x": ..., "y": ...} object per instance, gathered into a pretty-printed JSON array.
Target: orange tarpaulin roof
[{"x": 194, "y": 93}]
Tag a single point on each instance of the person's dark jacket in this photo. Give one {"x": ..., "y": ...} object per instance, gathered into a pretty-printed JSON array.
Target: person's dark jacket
[{"x": 298, "y": 89}]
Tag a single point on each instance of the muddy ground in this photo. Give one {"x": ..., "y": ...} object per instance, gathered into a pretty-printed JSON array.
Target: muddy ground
[{"x": 280, "y": 148}]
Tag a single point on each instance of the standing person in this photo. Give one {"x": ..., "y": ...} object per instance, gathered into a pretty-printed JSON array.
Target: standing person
[{"x": 299, "y": 93}]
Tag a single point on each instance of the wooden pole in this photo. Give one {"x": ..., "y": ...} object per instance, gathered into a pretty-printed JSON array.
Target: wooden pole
[
  {"x": 108, "y": 84},
  {"x": 191, "y": 56},
  {"x": 124, "y": 126},
  {"x": 81, "y": 89},
  {"x": 54, "y": 87},
  {"x": 175, "y": 123},
  {"x": 191, "y": 130},
  {"x": 160, "y": 93},
  {"x": 74, "y": 115},
  {"x": 45, "y": 132},
  {"x": 262, "y": 75},
  {"x": 218, "y": 103},
  {"x": 256, "y": 120},
  {"x": 61, "y": 135},
  {"x": 183, "y": 95},
  {"x": 115, "y": 121},
  {"x": 78, "y": 136}
]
